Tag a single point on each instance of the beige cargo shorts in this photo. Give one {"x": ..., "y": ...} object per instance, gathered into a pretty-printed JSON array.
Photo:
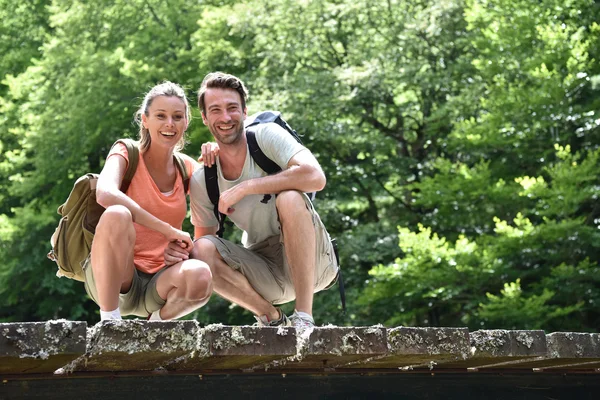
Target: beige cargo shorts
[
  {"x": 265, "y": 264},
  {"x": 141, "y": 300}
]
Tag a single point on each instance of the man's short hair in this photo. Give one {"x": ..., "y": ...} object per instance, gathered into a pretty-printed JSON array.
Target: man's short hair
[{"x": 221, "y": 80}]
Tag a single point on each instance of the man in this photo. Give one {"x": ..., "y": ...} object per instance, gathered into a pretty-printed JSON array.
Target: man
[{"x": 287, "y": 253}]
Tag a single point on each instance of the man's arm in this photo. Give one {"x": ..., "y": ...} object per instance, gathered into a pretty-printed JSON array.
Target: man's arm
[{"x": 303, "y": 173}]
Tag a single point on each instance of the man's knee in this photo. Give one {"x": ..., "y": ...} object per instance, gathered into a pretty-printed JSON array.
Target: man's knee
[
  {"x": 290, "y": 202},
  {"x": 204, "y": 250}
]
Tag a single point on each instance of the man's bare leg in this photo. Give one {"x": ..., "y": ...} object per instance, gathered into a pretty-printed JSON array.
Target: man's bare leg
[
  {"x": 299, "y": 239},
  {"x": 186, "y": 286},
  {"x": 230, "y": 284}
]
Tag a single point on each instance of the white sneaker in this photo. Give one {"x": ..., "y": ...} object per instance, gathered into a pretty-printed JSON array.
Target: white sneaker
[{"x": 302, "y": 322}]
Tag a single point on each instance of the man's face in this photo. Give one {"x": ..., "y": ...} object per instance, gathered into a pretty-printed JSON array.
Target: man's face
[{"x": 224, "y": 115}]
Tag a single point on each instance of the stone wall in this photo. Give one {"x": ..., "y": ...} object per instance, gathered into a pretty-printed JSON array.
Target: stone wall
[{"x": 68, "y": 348}]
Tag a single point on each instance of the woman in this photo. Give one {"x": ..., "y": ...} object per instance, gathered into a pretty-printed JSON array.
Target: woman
[{"x": 126, "y": 273}]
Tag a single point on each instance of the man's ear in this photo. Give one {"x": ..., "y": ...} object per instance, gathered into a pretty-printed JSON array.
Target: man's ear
[{"x": 204, "y": 118}]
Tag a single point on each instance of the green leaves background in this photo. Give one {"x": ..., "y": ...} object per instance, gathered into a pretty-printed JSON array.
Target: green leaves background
[{"x": 460, "y": 141}]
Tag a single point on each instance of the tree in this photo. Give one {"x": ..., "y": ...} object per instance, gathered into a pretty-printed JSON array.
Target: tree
[
  {"x": 509, "y": 184},
  {"x": 460, "y": 141},
  {"x": 69, "y": 107}
]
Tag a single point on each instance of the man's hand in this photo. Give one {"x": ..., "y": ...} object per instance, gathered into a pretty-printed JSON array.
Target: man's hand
[
  {"x": 176, "y": 252},
  {"x": 231, "y": 197},
  {"x": 210, "y": 151}
]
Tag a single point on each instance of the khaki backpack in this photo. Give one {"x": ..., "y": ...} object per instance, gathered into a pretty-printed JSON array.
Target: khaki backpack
[{"x": 72, "y": 239}]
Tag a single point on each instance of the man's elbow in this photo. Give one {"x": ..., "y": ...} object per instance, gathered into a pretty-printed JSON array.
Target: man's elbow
[
  {"x": 312, "y": 176},
  {"x": 321, "y": 182},
  {"x": 318, "y": 180}
]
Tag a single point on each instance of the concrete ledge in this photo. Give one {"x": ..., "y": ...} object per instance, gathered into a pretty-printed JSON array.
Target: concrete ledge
[
  {"x": 238, "y": 348},
  {"x": 40, "y": 347},
  {"x": 491, "y": 348},
  {"x": 136, "y": 345},
  {"x": 568, "y": 350},
  {"x": 330, "y": 347},
  {"x": 183, "y": 347},
  {"x": 410, "y": 348}
]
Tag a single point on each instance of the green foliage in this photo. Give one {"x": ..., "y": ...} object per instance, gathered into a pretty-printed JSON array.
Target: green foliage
[
  {"x": 576, "y": 285},
  {"x": 459, "y": 139},
  {"x": 399, "y": 294},
  {"x": 513, "y": 310},
  {"x": 549, "y": 281}
]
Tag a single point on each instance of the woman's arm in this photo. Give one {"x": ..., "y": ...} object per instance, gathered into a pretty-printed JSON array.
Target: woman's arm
[{"x": 108, "y": 194}]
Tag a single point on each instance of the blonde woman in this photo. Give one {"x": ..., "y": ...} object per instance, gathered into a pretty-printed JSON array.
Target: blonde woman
[{"x": 126, "y": 272}]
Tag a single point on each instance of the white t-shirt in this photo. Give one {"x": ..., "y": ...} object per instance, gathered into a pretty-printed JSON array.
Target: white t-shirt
[{"x": 254, "y": 214}]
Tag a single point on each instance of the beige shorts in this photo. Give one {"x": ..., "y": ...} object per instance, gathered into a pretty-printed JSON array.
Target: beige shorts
[
  {"x": 142, "y": 299},
  {"x": 266, "y": 268}
]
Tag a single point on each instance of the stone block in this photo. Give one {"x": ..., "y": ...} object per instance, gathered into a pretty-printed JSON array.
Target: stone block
[
  {"x": 567, "y": 350},
  {"x": 136, "y": 345},
  {"x": 336, "y": 347},
  {"x": 492, "y": 348},
  {"x": 410, "y": 348},
  {"x": 40, "y": 347},
  {"x": 248, "y": 348}
]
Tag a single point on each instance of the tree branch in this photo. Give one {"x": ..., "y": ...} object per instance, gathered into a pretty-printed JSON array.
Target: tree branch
[
  {"x": 373, "y": 211},
  {"x": 334, "y": 52},
  {"x": 394, "y": 134},
  {"x": 392, "y": 195},
  {"x": 154, "y": 15}
]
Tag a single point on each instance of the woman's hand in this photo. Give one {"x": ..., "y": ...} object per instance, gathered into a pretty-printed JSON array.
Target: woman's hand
[
  {"x": 183, "y": 238},
  {"x": 179, "y": 247},
  {"x": 210, "y": 151},
  {"x": 175, "y": 252}
]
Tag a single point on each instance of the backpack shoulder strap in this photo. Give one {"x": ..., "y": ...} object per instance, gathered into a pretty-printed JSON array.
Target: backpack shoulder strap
[
  {"x": 133, "y": 153},
  {"x": 264, "y": 162},
  {"x": 212, "y": 188},
  {"x": 185, "y": 176}
]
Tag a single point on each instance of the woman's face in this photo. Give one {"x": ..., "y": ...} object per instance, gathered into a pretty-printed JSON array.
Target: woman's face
[{"x": 166, "y": 120}]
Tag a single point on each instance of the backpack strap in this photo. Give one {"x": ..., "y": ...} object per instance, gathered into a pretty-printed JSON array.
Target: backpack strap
[
  {"x": 264, "y": 117},
  {"x": 133, "y": 153},
  {"x": 212, "y": 188},
  {"x": 339, "y": 277},
  {"x": 264, "y": 162},
  {"x": 180, "y": 163},
  {"x": 212, "y": 182}
]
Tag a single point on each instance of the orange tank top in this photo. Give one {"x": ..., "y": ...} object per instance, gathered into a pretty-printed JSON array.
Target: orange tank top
[{"x": 149, "y": 244}]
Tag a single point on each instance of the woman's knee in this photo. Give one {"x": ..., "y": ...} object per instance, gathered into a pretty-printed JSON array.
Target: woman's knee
[{"x": 116, "y": 220}]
